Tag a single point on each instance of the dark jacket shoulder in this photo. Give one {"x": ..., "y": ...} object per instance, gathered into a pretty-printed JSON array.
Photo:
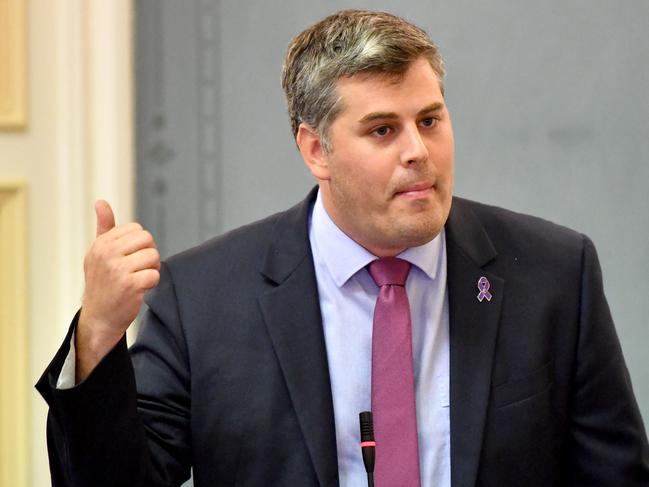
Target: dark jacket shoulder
[
  {"x": 517, "y": 234},
  {"x": 250, "y": 256}
]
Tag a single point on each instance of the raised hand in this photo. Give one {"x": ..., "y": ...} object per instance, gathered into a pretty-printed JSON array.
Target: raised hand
[{"x": 120, "y": 266}]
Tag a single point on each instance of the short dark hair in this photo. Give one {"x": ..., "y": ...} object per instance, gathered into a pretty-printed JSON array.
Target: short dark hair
[{"x": 344, "y": 44}]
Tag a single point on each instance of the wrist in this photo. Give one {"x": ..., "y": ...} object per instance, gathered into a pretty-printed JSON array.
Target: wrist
[{"x": 93, "y": 340}]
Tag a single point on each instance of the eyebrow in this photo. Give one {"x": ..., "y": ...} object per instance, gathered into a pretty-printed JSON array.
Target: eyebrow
[{"x": 392, "y": 115}]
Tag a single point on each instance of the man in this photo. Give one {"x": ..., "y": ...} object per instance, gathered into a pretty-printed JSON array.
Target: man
[{"x": 260, "y": 347}]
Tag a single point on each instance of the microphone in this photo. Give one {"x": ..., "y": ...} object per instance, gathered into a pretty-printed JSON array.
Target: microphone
[{"x": 367, "y": 444}]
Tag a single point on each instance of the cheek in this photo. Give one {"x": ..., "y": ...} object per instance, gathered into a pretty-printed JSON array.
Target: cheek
[
  {"x": 447, "y": 167},
  {"x": 443, "y": 159},
  {"x": 364, "y": 174},
  {"x": 449, "y": 153}
]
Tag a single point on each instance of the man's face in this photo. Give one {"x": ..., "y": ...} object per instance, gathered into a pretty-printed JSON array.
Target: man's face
[{"x": 388, "y": 178}]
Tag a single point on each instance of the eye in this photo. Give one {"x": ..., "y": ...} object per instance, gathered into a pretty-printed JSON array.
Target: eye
[
  {"x": 381, "y": 131},
  {"x": 429, "y": 122}
]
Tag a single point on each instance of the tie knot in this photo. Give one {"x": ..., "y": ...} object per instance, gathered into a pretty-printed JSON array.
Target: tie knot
[{"x": 389, "y": 271}]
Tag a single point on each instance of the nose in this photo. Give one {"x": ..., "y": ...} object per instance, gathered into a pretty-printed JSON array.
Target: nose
[{"x": 414, "y": 149}]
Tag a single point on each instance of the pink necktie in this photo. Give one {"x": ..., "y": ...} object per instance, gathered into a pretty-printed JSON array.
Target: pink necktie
[{"x": 393, "y": 384}]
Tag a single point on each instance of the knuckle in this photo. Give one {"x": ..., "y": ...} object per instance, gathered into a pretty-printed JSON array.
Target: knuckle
[
  {"x": 147, "y": 238},
  {"x": 155, "y": 278}
]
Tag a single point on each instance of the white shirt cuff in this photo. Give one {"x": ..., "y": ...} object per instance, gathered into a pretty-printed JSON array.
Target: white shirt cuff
[{"x": 67, "y": 377}]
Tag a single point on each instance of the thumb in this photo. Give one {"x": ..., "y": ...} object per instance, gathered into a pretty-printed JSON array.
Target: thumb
[{"x": 105, "y": 217}]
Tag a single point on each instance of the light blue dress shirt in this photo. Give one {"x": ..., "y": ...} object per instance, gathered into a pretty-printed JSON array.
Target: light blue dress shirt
[{"x": 347, "y": 299}]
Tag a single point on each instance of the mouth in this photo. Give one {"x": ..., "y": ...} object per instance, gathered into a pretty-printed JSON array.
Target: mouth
[{"x": 416, "y": 191}]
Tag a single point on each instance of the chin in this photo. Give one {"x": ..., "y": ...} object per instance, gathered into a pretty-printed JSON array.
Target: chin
[{"x": 419, "y": 233}]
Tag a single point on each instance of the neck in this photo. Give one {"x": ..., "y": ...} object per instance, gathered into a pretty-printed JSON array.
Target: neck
[{"x": 375, "y": 249}]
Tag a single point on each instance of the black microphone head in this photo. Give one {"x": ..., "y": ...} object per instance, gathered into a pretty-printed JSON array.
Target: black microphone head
[{"x": 367, "y": 426}]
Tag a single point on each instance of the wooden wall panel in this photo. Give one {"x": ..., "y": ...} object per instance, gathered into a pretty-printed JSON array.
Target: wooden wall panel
[
  {"x": 14, "y": 374},
  {"x": 12, "y": 64}
]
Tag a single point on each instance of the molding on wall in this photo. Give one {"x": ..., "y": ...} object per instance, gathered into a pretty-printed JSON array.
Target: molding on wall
[
  {"x": 179, "y": 129},
  {"x": 13, "y": 93},
  {"x": 95, "y": 137},
  {"x": 209, "y": 119},
  {"x": 109, "y": 58},
  {"x": 15, "y": 398},
  {"x": 71, "y": 156}
]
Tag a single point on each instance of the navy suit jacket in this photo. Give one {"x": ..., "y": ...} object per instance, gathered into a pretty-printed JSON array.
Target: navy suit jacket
[{"x": 229, "y": 373}]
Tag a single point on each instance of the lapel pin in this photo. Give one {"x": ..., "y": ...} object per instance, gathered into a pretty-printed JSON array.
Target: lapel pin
[{"x": 483, "y": 286}]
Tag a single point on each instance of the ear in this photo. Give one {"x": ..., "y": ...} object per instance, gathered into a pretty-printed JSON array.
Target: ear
[{"x": 313, "y": 153}]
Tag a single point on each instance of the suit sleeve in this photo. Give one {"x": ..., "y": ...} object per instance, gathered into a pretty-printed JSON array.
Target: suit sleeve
[
  {"x": 608, "y": 443},
  {"x": 127, "y": 424}
]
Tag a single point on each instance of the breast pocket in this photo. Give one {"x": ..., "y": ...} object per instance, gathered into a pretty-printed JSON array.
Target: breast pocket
[{"x": 523, "y": 388}]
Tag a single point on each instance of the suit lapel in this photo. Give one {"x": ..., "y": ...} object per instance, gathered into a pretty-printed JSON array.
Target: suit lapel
[
  {"x": 473, "y": 332},
  {"x": 291, "y": 312}
]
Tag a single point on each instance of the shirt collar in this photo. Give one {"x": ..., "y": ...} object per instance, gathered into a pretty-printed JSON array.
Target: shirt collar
[{"x": 344, "y": 257}]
